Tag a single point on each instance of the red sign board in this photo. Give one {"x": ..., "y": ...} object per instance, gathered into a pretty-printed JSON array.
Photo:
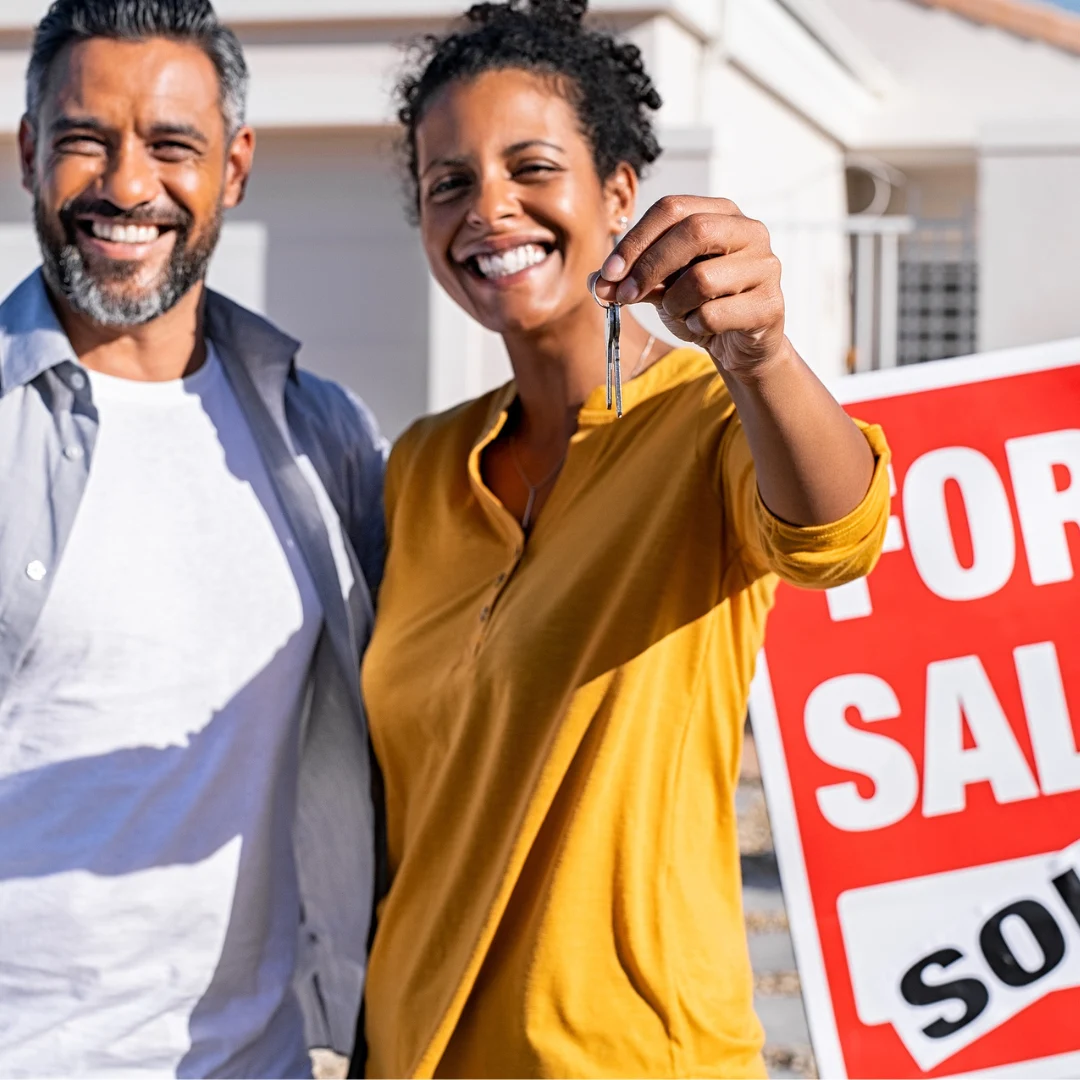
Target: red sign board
[{"x": 919, "y": 735}]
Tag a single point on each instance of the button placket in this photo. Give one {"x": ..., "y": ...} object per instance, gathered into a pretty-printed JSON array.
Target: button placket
[{"x": 497, "y": 586}]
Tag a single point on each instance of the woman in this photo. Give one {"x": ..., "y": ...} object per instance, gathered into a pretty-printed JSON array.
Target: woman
[{"x": 573, "y": 602}]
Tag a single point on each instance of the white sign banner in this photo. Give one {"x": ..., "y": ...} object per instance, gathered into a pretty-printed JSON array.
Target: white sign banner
[{"x": 967, "y": 950}]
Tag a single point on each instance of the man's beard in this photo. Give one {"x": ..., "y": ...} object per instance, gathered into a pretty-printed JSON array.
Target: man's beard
[{"x": 87, "y": 291}]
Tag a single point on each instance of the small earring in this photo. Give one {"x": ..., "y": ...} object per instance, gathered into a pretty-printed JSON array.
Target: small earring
[{"x": 624, "y": 221}]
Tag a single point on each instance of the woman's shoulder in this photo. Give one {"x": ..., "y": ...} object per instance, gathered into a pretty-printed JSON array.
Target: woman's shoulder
[
  {"x": 459, "y": 427},
  {"x": 686, "y": 372},
  {"x": 686, "y": 380}
]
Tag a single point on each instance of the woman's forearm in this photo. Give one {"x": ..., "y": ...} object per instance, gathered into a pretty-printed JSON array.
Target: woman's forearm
[{"x": 813, "y": 464}]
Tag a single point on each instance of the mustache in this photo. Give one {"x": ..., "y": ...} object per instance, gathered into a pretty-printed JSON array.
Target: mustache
[{"x": 167, "y": 214}]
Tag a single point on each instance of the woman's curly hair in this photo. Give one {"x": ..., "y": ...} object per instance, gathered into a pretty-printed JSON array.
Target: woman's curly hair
[{"x": 603, "y": 78}]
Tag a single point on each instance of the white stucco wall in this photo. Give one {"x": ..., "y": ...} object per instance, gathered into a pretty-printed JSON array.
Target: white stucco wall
[
  {"x": 787, "y": 173},
  {"x": 344, "y": 272},
  {"x": 1029, "y": 221}
]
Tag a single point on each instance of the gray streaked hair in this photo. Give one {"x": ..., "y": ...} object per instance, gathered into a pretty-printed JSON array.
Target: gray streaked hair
[{"x": 193, "y": 21}]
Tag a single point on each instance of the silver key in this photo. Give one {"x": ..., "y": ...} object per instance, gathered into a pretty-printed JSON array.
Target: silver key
[{"x": 613, "y": 315}]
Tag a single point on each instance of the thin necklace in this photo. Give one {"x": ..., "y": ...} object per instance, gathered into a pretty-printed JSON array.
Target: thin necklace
[
  {"x": 535, "y": 489},
  {"x": 644, "y": 353}
]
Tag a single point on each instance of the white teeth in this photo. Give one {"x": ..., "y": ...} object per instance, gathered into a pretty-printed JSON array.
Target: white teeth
[
  {"x": 125, "y": 234},
  {"x": 510, "y": 262}
]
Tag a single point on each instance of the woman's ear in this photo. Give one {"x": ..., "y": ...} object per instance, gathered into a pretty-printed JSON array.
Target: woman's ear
[{"x": 620, "y": 198}]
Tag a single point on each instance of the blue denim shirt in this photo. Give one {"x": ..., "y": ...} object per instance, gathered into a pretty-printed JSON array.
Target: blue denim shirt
[{"x": 309, "y": 431}]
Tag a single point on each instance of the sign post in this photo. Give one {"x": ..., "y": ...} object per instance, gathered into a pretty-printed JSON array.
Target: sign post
[{"x": 919, "y": 730}]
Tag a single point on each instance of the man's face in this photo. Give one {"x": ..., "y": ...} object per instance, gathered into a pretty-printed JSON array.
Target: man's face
[{"x": 130, "y": 166}]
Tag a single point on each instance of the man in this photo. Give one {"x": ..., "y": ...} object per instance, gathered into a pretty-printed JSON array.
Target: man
[{"x": 190, "y": 528}]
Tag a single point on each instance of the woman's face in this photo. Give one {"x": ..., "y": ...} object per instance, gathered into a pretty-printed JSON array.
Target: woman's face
[{"x": 513, "y": 216}]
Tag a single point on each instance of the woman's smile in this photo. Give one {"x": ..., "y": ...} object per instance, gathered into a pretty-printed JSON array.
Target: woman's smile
[{"x": 504, "y": 262}]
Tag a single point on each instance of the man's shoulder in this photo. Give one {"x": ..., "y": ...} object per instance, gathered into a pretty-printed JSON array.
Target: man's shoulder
[
  {"x": 226, "y": 320},
  {"x": 332, "y": 413},
  {"x": 337, "y": 411}
]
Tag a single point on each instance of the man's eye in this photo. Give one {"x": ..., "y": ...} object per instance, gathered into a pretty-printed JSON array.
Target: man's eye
[
  {"x": 81, "y": 144},
  {"x": 173, "y": 151}
]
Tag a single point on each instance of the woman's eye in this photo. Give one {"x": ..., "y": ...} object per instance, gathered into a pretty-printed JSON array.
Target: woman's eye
[
  {"x": 534, "y": 168},
  {"x": 447, "y": 185}
]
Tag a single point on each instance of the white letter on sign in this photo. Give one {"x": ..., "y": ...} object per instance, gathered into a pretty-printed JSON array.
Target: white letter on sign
[
  {"x": 1052, "y": 736},
  {"x": 956, "y": 689},
  {"x": 989, "y": 519},
  {"x": 885, "y": 761},
  {"x": 1044, "y": 511}
]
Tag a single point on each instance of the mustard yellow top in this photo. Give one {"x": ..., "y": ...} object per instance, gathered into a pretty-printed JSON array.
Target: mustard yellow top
[{"x": 559, "y": 723}]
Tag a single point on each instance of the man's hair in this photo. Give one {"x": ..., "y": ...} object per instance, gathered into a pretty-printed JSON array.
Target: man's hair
[
  {"x": 194, "y": 21},
  {"x": 602, "y": 77}
]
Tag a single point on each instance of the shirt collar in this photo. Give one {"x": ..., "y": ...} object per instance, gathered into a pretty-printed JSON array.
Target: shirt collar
[{"x": 31, "y": 338}]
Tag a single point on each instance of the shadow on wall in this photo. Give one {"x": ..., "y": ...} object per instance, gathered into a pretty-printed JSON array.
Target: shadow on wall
[{"x": 321, "y": 246}]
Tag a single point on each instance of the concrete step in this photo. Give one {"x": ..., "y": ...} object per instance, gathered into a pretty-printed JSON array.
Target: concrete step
[
  {"x": 790, "y": 1062},
  {"x": 772, "y": 951}
]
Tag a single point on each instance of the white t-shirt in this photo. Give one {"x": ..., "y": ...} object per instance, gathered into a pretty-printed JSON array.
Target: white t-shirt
[{"x": 149, "y": 747}]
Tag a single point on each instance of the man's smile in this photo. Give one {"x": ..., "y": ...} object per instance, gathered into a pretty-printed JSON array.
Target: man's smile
[{"x": 120, "y": 240}]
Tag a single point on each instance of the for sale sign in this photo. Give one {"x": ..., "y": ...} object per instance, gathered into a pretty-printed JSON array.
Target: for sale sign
[{"x": 919, "y": 735}]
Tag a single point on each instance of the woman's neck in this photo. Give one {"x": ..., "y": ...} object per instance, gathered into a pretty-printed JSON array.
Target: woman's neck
[{"x": 557, "y": 368}]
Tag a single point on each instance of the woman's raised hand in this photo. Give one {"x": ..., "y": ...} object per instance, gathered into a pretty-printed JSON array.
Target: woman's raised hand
[{"x": 712, "y": 275}]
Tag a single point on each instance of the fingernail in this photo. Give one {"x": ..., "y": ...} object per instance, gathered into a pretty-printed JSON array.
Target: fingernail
[
  {"x": 628, "y": 291},
  {"x": 614, "y": 267}
]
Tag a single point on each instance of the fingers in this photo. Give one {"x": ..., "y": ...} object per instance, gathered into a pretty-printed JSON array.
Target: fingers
[
  {"x": 690, "y": 240},
  {"x": 711, "y": 279},
  {"x": 656, "y": 221},
  {"x": 749, "y": 312}
]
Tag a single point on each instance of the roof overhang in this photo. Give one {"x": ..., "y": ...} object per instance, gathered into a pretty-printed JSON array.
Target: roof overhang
[{"x": 1034, "y": 21}]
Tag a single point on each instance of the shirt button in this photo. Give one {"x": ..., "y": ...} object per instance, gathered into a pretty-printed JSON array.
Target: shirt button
[
  {"x": 36, "y": 571},
  {"x": 73, "y": 453},
  {"x": 483, "y": 614},
  {"x": 500, "y": 579},
  {"x": 77, "y": 381}
]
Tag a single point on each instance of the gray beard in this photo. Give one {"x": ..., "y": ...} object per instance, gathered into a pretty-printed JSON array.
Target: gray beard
[{"x": 67, "y": 275}]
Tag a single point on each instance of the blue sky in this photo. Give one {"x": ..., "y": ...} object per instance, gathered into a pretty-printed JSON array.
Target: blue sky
[{"x": 1069, "y": 5}]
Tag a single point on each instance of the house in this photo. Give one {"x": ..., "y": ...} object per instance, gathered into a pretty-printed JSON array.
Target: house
[{"x": 917, "y": 164}]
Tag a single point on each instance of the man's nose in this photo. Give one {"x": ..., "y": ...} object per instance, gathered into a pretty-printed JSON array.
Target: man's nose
[{"x": 131, "y": 178}]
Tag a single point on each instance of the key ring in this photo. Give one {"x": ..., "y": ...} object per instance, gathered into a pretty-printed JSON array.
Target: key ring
[
  {"x": 613, "y": 313},
  {"x": 600, "y": 303}
]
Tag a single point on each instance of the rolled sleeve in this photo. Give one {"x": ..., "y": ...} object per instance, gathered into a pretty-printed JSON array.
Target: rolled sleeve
[
  {"x": 822, "y": 556},
  {"x": 756, "y": 541}
]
